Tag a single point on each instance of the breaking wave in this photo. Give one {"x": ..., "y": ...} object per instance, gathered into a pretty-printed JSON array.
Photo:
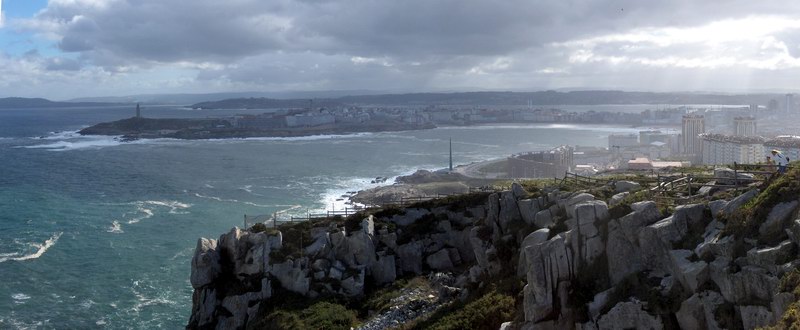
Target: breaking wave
[{"x": 40, "y": 250}]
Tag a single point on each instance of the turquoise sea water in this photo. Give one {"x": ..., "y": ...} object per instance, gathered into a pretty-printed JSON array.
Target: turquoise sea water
[{"x": 95, "y": 233}]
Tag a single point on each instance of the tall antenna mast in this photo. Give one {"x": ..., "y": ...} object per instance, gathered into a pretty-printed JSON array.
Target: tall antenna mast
[{"x": 451, "y": 154}]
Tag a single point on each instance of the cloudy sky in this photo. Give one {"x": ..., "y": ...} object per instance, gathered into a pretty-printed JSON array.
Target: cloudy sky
[{"x": 70, "y": 48}]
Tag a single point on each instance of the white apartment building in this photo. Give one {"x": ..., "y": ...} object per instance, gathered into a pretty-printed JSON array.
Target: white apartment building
[{"x": 719, "y": 149}]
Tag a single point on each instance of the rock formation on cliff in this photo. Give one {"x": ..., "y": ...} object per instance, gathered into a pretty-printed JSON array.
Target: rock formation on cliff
[{"x": 709, "y": 265}]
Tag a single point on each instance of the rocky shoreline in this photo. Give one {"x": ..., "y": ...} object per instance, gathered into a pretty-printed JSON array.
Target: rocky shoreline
[
  {"x": 541, "y": 258},
  {"x": 422, "y": 183}
]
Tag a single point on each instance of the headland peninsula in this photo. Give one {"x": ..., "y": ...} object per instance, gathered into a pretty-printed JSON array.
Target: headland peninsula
[{"x": 278, "y": 123}]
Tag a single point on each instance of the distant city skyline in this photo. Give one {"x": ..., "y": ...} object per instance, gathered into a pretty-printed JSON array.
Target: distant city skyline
[{"x": 62, "y": 49}]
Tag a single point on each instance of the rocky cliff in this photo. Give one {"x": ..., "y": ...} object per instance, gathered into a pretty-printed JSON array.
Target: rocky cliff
[{"x": 573, "y": 263}]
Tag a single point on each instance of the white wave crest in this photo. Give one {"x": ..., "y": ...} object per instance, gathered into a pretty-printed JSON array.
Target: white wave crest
[
  {"x": 218, "y": 199},
  {"x": 148, "y": 213},
  {"x": 40, "y": 250},
  {"x": 72, "y": 140},
  {"x": 20, "y": 296},
  {"x": 115, "y": 228},
  {"x": 145, "y": 209},
  {"x": 334, "y": 196},
  {"x": 173, "y": 206}
]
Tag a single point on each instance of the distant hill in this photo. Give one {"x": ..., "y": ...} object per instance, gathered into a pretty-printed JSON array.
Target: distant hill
[
  {"x": 184, "y": 99},
  {"x": 503, "y": 98},
  {"x": 266, "y": 103},
  {"x": 22, "y": 102}
]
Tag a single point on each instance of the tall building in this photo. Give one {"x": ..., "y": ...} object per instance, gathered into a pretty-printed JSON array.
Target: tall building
[
  {"x": 693, "y": 125},
  {"x": 772, "y": 105},
  {"x": 721, "y": 149},
  {"x": 744, "y": 126},
  {"x": 789, "y": 106}
]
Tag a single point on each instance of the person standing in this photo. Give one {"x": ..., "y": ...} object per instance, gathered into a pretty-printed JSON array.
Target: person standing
[{"x": 780, "y": 160}]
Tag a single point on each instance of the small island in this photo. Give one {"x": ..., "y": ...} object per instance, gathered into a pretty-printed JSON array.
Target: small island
[{"x": 278, "y": 123}]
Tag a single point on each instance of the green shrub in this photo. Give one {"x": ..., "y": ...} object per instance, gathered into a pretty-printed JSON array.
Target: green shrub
[
  {"x": 790, "y": 319},
  {"x": 790, "y": 282},
  {"x": 258, "y": 227},
  {"x": 380, "y": 300},
  {"x": 325, "y": 315},
  {"x": 281, "y": 320},
  {"x": 321, "y": 315},
  {"x": 745, "y": 221},
  {"x": 487, "y": 312}
]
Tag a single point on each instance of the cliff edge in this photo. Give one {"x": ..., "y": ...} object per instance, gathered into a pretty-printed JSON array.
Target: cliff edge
[{"x": 530, "y": 257}]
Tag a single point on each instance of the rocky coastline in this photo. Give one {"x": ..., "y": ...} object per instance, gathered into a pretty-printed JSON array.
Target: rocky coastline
[
  {"x": 530, "y": 257},
  {"x": 422, "y": 183}
]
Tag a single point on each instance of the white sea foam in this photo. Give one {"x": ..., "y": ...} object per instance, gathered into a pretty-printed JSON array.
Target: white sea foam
[
  {"x": 147, "y": 213},
  {"x": 145, "y": 209},
  {"x": 143, "y": 300},
  {"x": 40, "y": 250},
  {"x": 76, "y": 144},
  {"x": 60, "y": 135},
  {"x": 88, "y": 303},
  {"x": 183, "y": 253},
  {"x": 20, "y": 297},
  {"x": 332, "y": 198},
  {"x": 72, "y": 140},
  {"x": 225, "y": 200},
  {"x": 115, "y": 228},
  {"x": 173, "y": 206},
  {"x": 298, "y": 138}
]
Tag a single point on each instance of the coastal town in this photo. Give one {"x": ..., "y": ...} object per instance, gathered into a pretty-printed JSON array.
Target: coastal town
[{"x": 668, "y": 136}]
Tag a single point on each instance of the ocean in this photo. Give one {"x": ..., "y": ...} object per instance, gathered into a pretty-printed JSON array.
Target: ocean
[{"x": 97, "y": 233}]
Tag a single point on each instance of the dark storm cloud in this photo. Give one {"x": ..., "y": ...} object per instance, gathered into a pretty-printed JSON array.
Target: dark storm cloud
[
  {"x": 412, "y": 44},
  {"x": 181, "y": 30}
]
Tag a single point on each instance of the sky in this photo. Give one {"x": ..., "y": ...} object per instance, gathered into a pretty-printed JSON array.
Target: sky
[{"x": 62, "y": 49}]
